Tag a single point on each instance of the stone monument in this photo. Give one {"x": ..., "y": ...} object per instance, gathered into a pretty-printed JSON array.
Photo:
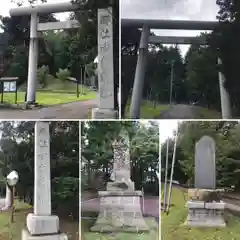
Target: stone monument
[
  {"x": 120, "y": 208},
  {"x": 41, "y": 224},
  {"x": 105, "y": 67},
  {"x": 205, "y": 208}
]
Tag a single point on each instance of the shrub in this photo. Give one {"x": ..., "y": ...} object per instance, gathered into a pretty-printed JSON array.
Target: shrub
[
  {"x": 42, "y": 75},
  {"x": 63, "y": 74},
  {"x": 65, "y": 195}
]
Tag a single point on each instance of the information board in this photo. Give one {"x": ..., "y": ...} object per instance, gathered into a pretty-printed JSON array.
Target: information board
[{"x": 10, "y": 86}]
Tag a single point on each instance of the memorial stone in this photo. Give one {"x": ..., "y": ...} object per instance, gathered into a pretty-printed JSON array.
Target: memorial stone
[
  {"x": 41, "y": 224},
  {"x": 105, "y": 66},
  {"x": 120, "y": 208},
  {"x": 205, "y": 172},
  {"x": 205, "y": 208}
]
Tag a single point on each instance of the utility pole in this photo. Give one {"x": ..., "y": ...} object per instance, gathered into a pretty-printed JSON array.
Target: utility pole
[
  {"x": 171, "y": 83},
  {"x": 172, "y": 171},
  {"x": 165, "y": 181}
]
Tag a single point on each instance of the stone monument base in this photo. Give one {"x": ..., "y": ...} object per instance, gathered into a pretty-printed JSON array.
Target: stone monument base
[
  {"x": 27, "y": 236},
  {"x": 120, "y": 212},
  {"x": 101, "y": 113},
  {"x": 205, "y": 195},
  {"x": 205, "y": 214},
  {"x": 38, "y": 225}
]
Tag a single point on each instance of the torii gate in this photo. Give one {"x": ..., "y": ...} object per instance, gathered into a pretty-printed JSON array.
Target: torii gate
[
  {"x": 105, "y": 50},
  {"x": 146, "y": 25}
]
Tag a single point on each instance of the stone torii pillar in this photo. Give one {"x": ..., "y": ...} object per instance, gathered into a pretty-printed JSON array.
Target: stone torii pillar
[
  {"x": 35, "y": 28},
  {"x": 140, "y": 74},
  {"x": 33, "y": 60},
  {"x": 224, "y": 95}
]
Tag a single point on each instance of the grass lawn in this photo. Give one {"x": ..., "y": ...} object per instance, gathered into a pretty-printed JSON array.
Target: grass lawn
[
  {"x": 55, "y": 93},
  {"x": 205, "y": 113},
  {"x": 172, "y": 227},
  {"x": 148, "y": 110},
  {"x": 49, "y": 98},
  {"x": 13, "y": 231},
  {"x": 88, "y": 235}
]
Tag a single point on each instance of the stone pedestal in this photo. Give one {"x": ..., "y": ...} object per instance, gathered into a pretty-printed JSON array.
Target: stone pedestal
[
  {"x": 27, "y": 236},
  {"x": 205, "y": 195},
  {"x": 119, "y": 186},
  {"x": 102, "y": 113},
  {"x": 38, "y": 225},
  {"x": 120, "y": 211},
  {"x": 205, "y": 214}
]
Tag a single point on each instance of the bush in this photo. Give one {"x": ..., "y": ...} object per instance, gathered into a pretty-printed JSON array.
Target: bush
[
  {"x": 65, "y": 196},
  {"x": 42, "y": 75},
  {"x": 63, "y": 74}
]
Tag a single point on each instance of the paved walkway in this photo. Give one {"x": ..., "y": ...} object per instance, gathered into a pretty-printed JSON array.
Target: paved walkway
[
  {"x": 150, "y": 208},
  {"x": 73, "y": 110},
  {"x": 179, "y": 111}
]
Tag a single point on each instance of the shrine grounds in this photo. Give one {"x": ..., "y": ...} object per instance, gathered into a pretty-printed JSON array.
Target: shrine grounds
[
  {"x": 13, "y": 231},
  {"x": 90, "y": 210},
  {"x": 151, "y": 110},
  {"x": 172, "y": 227},
  {"x": 51, "y": 96}
]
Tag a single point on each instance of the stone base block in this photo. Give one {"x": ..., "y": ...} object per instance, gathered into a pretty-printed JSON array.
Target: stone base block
[
  {"x": 38, "y": 225},
  {"x": 205, "y": 195},
  {"x": 100, "y": 113},
  {"x": 113, "y": 186},
  {"x": 120, "y": 211},
  {"x": 27, "y": 236},
  {"x": 205, "y": 214},
  {"x": 120, "y": 194}
]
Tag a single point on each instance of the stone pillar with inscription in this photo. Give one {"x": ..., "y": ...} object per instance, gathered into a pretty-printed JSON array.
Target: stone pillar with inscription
[
  {"x": 41, "y": 224},
  {"x": 105, "y": 67},
  {"x": 205, "y": 207},
  {"x": 120, "y": 208}
]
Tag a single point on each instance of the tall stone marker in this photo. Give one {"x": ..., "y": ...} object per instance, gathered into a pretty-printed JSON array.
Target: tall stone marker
[
  {"x": 105, "y": 67},
  {"x": 205, "y": 165},
  {"x": 121, "y": 160},
  {"x": 205, "y": 208},
  {"x": 120, "y": 208},
  {"x": 41, "y": 224}
]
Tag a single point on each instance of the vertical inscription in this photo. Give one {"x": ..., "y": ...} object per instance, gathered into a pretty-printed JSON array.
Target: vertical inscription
[
  {"x": 105, "y": 55},
  {"x": 42, "y": 187}
]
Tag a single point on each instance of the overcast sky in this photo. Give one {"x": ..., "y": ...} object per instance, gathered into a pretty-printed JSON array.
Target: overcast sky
[
  {"x": 167, "y": 128},
  {"x": 203, "y": 10},
  {"x": 6, "y": 5},
  {"x": 153, "y": 9}
]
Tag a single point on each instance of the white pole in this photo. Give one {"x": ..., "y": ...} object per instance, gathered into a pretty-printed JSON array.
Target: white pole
[
  {"x": 165, "y": 181},
  {"x": 171, "y": 83},
  {"x": 32, "y": 60},
  {"x": 172, "y": 170},
  {"x": 224, "y": 95},
  {"x": 143, "y": 201}
]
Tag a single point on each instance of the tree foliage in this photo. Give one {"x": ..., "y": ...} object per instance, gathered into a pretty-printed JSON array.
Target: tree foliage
[
  {"x": 17, "y": 153},
  {"x": 97, "y": 152},
  {"x": 226, "y": 136}
]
